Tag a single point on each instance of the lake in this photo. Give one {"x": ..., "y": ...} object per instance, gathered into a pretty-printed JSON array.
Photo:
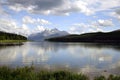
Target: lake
[{"x": 78, "y": 57}]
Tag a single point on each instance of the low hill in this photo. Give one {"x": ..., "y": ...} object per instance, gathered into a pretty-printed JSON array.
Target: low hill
[
  {"x": 11, "y": 36},
  {"x": 98, "y": 37}
]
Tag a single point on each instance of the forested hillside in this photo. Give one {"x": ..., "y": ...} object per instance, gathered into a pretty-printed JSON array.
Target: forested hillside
[
  {"x": 10, "y": 36},
  {"x": 98, "y": 37}
]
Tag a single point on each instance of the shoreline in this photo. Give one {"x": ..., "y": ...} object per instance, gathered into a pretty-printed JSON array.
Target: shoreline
[
  {"x": 30, "y": 73},
  {"x": 90, "y": 74},
  {"x": 11, "y": 44}
]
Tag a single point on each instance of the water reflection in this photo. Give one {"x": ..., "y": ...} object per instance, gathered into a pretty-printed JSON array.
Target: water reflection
[{"x": 74, "y": 56}]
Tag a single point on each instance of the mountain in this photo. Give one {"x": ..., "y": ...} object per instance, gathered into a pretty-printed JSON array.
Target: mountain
[
  {"x": 98, "y": 37},
  {"x": 11, "y": 36},
  {"x": 47, "y": 34}
]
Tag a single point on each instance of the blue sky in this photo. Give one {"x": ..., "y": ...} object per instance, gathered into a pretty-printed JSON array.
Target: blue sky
[{"x": 74, "y": 16}]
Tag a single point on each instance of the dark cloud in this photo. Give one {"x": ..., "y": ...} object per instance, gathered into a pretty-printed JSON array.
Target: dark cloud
[
  {"x": 40, "y": 4},
  {"x": 118, "y": 11},
  {"x": 59, "y": 7}
]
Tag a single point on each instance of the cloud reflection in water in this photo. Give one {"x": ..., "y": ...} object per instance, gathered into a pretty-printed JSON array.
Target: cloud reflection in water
[{"x": 74, "y": 56}]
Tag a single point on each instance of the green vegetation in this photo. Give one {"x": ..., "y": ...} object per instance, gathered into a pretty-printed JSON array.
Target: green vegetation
[
  {"x": 12, "y": 41},
  {"x": 29, "y": 73},
  {"x": 9, "y": 39},
  {"x": 111, "y": 77},
  {"x": 98, "y": 37},
  {"x": 10, "y": 36}
]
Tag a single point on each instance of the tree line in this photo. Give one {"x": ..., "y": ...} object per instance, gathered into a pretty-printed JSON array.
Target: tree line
[
  {"x": 98, "y": 37},
  {"x": 11, "y": 36}
]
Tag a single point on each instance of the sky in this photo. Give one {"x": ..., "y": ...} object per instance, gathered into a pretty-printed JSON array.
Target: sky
[{"x": 73, "y": 16}]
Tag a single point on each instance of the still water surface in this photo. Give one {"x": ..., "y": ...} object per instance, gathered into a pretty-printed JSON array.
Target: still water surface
[{"x": 78, "y": 57}]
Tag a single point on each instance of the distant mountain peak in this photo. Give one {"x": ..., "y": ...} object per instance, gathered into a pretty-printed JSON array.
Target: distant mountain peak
[
  {"x": 47, "y": 33},
  {"x": 54, "y": 30}
]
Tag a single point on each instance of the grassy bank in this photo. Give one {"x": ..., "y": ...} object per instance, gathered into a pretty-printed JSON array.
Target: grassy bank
[
  {"x": 12, "y": 41},
  {"x": 29, "y": 73}
]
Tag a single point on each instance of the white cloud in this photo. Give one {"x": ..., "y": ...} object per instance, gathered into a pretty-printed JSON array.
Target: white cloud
[
  {"x": 99, "y": 5},
  {"x": 62, "y": 7},
  {"x": 30, "y": 20},
  {"x": 24, "y": 30},
  {"x": 105, "y": 23},
  {"x": 39, "y": 29},
  {"x": 24, "y": 27},
  {"x": 43, "y": 22},
  {"x": 84, "y": 28},
  {"x": 19, "y": 7},
  {"x": 59, "y": 7},
  {"x": 94, "y": 26},
  {"x": 11, "y": 26},
  {"x": 4, "y": 23},
  {"x": 116, "y": 14}
]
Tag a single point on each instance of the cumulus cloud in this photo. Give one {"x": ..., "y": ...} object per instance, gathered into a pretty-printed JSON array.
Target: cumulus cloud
[
  {"x": 107, "y": 4},
  {"x": 62, "y": 7},
  {"x": 84, "y": 28},
  {"x": 19, "y": 7},
  {"x": 43, "y": 22},
  {"x": 46, "y": 7},
  {"x": 94, "y": 26},
  {"x": 30, "y": 20},
  {"x": 25, "y": 27},
  {"x": 4, "y": 23},
  {"x": 38, "y": 29},
  {"x": 116, "y": 14},
  {"x": 11, "y": 26},
  {"x": 105, "y": 23}
]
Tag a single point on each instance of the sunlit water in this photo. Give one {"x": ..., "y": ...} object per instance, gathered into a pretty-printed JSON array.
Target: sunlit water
[{"x": 78, "y": 57}]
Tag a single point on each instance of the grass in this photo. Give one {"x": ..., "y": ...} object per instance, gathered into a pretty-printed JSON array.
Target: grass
[
  {"x": 111, "y": 77},
  {"x": 29, "y": 73},
  {"x": 12, "y": 41}
]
